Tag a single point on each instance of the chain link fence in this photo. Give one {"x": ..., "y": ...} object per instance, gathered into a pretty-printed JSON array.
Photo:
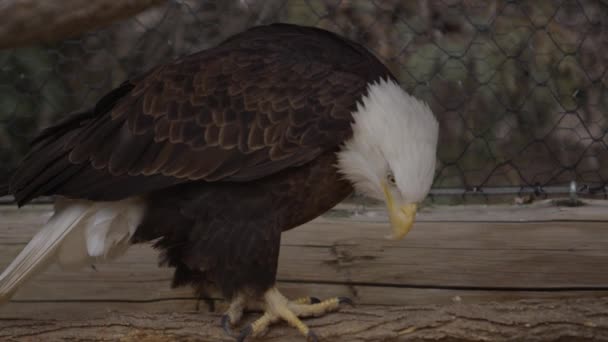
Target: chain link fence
[{"x": 520, "y": 87}]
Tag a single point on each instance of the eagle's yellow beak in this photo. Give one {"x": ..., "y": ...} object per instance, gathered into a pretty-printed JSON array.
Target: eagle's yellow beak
[{"x": 401, "y": 215}]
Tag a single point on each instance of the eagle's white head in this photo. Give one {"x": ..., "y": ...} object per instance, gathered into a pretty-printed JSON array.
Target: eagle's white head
[{"x": 391, "y": 155}]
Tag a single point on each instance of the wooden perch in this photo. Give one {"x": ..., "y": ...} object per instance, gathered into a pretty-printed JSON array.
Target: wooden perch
[
  {"x": 510, "y": 273},
  {"x": 33, "y": 21},
  {"x": 539, "y": 320}
]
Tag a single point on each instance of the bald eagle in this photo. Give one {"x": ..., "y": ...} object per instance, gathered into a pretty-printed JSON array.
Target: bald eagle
[{"x": 215, "y": 154}]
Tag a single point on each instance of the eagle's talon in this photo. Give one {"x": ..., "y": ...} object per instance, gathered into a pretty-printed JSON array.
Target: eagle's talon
[
  {"x": 312, "y": 337},
  {"x": 226, "y": 325},
  {"x": 345, "y": 300},
  {"x": 245, "y": 333},
  {"x": 234, "y": 314}
]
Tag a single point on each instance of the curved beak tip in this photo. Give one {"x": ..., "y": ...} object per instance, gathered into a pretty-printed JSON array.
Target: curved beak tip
[
  {"x": 401, "y": 216},
  {"x": 402, "y": 220}
]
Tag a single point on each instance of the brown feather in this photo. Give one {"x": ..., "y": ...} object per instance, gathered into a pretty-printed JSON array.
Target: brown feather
[{"x": 270, "y": 98}]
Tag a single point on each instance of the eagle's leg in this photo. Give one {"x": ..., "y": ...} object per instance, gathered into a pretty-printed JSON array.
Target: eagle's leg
[
  {"x": 235, "y": 312},
  {"x": 276, "y": 307}
]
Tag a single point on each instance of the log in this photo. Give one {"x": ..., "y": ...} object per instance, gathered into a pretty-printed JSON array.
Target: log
[
  {"x": 530, "y": 320},
  {"x": 33, "y": 21}
]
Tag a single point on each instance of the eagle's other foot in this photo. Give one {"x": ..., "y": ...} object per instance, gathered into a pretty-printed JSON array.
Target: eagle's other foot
[{"x": 276, "y": 307}]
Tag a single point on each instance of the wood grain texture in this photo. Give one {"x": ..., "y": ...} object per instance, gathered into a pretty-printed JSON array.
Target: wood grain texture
[
  {"x": 447, "y": 281},
  {"x": 436, "y": 255},
  {"x": 30, "y": 21},
  {"x": 537, "y": 320}
]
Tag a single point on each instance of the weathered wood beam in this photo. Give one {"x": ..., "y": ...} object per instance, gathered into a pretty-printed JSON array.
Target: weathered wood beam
[
  {"x": 440, "y": 260},
  {"x": 539, "y": 320},
  {"x": 33, "y": 21},
  {"x": 448, "y": 281}
]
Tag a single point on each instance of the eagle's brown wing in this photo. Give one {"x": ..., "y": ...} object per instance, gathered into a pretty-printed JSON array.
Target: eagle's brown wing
[{"x": 256, "y": 104}]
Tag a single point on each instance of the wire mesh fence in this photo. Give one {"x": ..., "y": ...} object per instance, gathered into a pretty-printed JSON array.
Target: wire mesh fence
[{"x": 520, "y": 87}]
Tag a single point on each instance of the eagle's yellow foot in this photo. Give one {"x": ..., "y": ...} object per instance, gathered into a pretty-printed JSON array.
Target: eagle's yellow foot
[
  {"x": 277, "y": 307},
  {"x": 238, "y": 304}
]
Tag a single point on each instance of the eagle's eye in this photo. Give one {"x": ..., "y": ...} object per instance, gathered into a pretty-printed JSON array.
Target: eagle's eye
[{"x": 390, "y": 178}]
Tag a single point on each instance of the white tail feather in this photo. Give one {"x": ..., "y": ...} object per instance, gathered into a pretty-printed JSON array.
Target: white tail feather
[
  {"x": 105, "y": 233},
  {"x": 79, "y": 233},
  {"x": 36, "y": 255}
]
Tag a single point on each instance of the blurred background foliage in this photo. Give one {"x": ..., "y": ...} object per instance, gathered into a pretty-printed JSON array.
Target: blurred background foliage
[{"x": 519, "y": 87}]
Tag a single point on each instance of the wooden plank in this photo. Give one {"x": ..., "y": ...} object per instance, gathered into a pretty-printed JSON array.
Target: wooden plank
[
  {"x": 81, "y": 309},
  {"x": 531, "y": 255},
  {"x": 45, "y": 295},
  {"x": 437, "y": 262},
  {"x": 444, "y": 255}
]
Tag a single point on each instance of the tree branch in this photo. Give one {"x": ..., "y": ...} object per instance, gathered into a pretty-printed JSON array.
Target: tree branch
[{"x": 33, "y": 21}]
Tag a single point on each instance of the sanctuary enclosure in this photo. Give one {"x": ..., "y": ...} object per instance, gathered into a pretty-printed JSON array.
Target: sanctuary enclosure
[{"x": 512, "y": 243}]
